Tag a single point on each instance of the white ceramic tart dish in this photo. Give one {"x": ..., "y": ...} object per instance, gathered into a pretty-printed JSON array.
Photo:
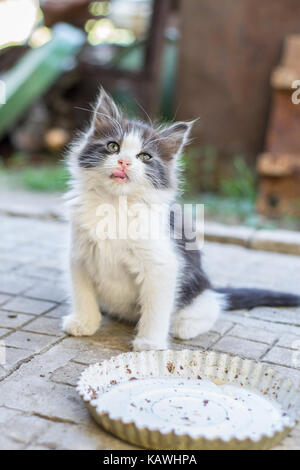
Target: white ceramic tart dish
[{"x": 190, "y": 400}]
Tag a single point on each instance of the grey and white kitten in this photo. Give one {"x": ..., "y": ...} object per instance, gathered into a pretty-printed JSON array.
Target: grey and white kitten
[{"x": 156, "y": 283}]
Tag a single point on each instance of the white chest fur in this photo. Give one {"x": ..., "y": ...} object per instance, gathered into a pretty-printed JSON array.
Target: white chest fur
[{"x": 116, "y": 266}]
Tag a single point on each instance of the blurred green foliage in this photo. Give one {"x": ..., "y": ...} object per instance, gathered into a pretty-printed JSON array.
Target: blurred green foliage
[
  {"x": 45, "y": 178},
  {"x": 48, "y": 178},
  {"x": 242, "y": 184}
]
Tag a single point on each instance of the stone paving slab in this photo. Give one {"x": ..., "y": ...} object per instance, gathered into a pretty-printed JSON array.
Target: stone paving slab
[
  {"x": 77, "y": 437},
  {"x": 68, "y": 374},
  {"x": 242, "y": 317},
  {"x": 48, "y": 291},
  {"x": 39, "y": 406},
  {"x": 13, "y": 357},
  {"x": 4, "y": 298},
  {"x": 283, "y": 357},
  {"x": 10, "y": 319},
  {"x": 201, "y": 342},
  {"x": 222, "y": 327},
  {"x": 30, "y": 306},
  {"x": 7, "y": 265},
  {"x": 31, "y": 341},
  {"x": 241, "y": 347},
  {"x": 41, "y": 273},
  {"x": 45, "y": 325},
  {"x": 19, "y": 427},
  {"x": 253, "y": 334},
  {"x": 4, "y": 332},
  {"x": 13, "y": 284},
  {"x": 289, "y": 341},
  {"x": 58, "y": 312}
]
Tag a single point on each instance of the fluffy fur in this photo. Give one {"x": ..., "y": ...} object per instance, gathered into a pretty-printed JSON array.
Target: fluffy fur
[{"x": 155, "y": 283}]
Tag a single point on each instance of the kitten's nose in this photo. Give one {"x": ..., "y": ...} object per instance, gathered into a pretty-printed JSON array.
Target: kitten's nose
[{"x": 124, "y": 162}]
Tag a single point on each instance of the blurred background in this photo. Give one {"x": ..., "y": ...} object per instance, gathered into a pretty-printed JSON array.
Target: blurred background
[{"x": 232, "y": 64}]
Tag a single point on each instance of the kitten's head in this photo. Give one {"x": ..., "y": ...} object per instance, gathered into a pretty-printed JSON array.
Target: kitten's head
[{"x": 125, "y": 156}]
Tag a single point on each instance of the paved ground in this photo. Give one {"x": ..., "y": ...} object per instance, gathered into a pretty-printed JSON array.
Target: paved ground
[{"x": 39, "y": 407}]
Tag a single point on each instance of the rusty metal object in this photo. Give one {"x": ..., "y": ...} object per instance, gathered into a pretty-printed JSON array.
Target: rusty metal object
[
  {"x": 289, "y": 70},
  {"x": 228, "y": 50},
  {"x": 279, "y": 196},
  {"x": 279, "y": 166},
  {"x": 279, "y": 190}
]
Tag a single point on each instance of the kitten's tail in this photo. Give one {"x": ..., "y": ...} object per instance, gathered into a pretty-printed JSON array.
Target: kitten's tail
[{"x": 239, "y": 298}]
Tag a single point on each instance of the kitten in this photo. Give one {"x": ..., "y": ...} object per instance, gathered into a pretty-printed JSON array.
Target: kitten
[{"x": 156, "y": 283}]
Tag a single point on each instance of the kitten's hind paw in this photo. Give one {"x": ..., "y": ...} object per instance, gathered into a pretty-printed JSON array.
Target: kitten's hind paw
[
  {"x": 185, "y": 329},
  {"x": 144, "y": 344},
  {"x": 75, "y": 327}
]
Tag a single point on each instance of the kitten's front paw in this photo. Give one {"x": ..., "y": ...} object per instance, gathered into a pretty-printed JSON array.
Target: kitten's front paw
[
  {"x": 75, "y": 327},
  {"x": 144, "y": 344}
]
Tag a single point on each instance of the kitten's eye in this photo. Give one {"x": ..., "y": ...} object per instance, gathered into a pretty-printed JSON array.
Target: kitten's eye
[
  {"x": 145, "y": 157},
  {"x": 113, "y": 147}
]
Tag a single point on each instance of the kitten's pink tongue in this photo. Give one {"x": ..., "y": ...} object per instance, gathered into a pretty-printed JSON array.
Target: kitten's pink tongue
[{"x": 119, "y": 174}]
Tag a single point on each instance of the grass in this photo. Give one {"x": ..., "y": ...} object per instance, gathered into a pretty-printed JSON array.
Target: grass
[
  {"x": 243, "y": 184},
  {"x": 233, "y": 210},
  {"x": 46, "y": 178}
]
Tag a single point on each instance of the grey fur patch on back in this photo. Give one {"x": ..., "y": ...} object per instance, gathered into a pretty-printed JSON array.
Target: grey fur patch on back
[{"x": 193, "y": 280}]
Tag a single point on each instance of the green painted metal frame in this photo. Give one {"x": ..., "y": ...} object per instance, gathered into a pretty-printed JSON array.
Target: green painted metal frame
[{"x": 38, "y": 69}]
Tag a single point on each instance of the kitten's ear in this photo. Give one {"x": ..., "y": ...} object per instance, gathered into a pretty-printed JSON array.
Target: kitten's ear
[
  {"x": 106, "y": 110},
  {"x": 177, "y": 135}
]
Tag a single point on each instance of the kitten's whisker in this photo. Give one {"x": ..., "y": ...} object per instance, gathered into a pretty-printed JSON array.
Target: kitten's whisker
[
  {"x": 176, "y": 112},
  {"x": 93, "y": 111},
  {"x": 145, "y": 112},
  {"x": 84, "y": 109},
  {"x": 112, "y": 119},
  {"x": 157, "y": 140}
]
